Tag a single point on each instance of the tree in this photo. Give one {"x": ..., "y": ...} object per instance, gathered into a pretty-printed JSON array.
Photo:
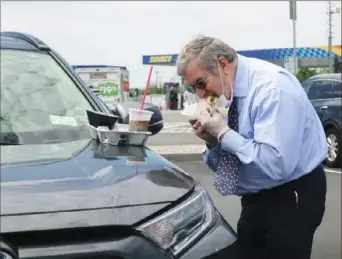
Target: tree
[
  {"x": 153, "y": 89},
  {"x": 305, "y": 73}
]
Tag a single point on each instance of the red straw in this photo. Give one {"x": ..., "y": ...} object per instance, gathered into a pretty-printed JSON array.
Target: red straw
[{"x": 146, "y": 88}]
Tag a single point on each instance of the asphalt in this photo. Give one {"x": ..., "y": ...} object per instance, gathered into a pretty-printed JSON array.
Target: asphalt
[{"x": 327, "y": 242}]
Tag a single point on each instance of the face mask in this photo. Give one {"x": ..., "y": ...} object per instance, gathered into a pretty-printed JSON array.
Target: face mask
[{"x": 222, "y": 100}]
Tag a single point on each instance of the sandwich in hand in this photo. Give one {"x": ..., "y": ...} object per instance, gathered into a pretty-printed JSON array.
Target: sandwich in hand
[{"x": 213, "y": 106}]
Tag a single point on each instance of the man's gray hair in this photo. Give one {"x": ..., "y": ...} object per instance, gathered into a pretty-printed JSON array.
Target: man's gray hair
[{"x": 207, "y": 50}]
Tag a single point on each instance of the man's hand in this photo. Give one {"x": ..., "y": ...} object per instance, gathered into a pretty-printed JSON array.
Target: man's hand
[
  {"x": 202, "y": 133},
  {"x": 213, "y": 122}
]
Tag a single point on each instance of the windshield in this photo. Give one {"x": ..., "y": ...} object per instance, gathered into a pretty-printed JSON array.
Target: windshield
[{"x": 40, "y": 103}]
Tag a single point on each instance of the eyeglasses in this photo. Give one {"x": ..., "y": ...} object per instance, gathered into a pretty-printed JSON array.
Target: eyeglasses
[{"x": 200, "y": 83}]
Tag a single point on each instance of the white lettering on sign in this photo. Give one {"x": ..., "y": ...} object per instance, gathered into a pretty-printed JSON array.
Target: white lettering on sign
[{"x": 106, "y": 89}]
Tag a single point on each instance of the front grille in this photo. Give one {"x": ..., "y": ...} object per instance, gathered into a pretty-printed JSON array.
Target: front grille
[
  {"x": 68, "y": 236},
  {"x": 98, "y": 257},
  {"x": 106, "y": 242}
]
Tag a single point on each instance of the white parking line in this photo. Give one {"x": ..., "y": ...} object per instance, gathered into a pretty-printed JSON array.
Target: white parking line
[
  {"x": 198, "y": 149},
  {"x": 178, "y": 149},
  {"x": 335, "y": 170},
  {"x": 176, "y": 127},
  {"x": 168, "y": 125}
]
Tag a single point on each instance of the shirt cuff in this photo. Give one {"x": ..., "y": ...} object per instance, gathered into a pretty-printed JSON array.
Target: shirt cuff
[
  {"x": 215, "y": 149},
  {"x": 232, "y": 141}
]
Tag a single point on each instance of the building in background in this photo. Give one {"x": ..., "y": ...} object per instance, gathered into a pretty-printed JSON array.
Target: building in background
[{"x": 109, "y": 83}]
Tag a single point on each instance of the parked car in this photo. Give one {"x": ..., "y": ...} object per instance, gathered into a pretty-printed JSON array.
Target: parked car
[
  {"x": 324, "y": 92},
  {"x": 65, "y": 195}
]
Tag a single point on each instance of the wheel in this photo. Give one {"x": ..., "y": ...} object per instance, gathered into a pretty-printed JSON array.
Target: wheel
[{"x": 333, "y": 158}]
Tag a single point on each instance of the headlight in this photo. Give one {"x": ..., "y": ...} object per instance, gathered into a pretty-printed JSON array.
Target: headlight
[{"x": 176, "y": 229}]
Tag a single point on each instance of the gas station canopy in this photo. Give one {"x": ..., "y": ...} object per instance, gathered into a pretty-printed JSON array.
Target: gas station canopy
[{"x": 307, "y": 56}]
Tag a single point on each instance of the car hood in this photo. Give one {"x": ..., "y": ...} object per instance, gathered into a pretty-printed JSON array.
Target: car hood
[{"x": 86, "y": 176}]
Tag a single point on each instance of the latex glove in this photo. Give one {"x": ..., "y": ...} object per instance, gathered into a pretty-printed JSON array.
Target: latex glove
[
  {"x": 213, "y": 121},
  {"x": 203, "y": 134}
]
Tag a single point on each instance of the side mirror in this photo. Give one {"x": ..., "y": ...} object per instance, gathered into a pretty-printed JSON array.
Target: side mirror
[{"x": 156, "y": 122}]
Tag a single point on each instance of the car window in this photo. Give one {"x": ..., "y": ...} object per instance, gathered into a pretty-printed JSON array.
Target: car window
[
  {"x": 39, "y": 101},
  {"x": 324, "y": 89},
  {"x": 306, "y": 86},
  {"x": 336, "y": 89}
]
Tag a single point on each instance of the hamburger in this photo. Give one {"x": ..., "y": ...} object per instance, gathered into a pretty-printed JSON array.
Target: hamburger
[{"x": 212, "y": 100}]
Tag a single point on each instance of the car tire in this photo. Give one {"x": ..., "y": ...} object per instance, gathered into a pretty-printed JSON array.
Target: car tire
[{"x": 333, "y": 158}]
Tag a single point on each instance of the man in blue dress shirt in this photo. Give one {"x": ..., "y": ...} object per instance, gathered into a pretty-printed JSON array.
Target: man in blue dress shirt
[{"x": 268, "y": 149}]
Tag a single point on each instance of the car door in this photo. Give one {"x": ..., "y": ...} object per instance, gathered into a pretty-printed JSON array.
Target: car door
[
  {"x": 316, "y": 94},
  {"x": 321, "y": 92},
  {"x": 334, "y": 106}
]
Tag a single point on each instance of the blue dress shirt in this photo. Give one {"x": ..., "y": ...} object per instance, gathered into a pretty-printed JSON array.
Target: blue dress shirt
[{"x": 280, "y": 136}]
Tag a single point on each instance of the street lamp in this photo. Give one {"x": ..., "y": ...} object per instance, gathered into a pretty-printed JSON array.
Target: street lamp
[
  {"x": 293, "y": 17},
  {"x": 157, "y": 79},
  {"x": 331, "y": 12}
]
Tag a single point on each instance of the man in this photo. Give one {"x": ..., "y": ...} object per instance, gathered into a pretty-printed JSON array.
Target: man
[
  {"x": 173, "y": 99},
  {"x": 268, "y": 151}
]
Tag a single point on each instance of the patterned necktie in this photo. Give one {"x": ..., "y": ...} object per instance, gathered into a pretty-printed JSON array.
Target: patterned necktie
[{"x": 227, "y": 173}]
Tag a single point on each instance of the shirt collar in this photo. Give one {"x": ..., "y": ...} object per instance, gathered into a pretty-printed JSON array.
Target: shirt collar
[{"x": 241, "y": 84}]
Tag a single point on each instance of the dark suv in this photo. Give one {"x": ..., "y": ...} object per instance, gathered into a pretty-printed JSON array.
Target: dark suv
[
  {"x": 324, "y": 92},
  {"x": 65, "y": 195}
]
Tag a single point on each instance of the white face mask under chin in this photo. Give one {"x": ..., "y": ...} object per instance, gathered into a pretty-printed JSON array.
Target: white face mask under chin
[{"x": 222, "y": 100}]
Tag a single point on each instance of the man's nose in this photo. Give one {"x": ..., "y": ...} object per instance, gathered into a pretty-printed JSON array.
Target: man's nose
[{"x": 200, "y": 93}]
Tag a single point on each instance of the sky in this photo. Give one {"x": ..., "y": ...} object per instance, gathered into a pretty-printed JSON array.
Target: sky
[{"x": 119, "y": 33}]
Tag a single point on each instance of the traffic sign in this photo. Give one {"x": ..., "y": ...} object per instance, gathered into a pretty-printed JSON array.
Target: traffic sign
[{"x": 290, "y": 64}]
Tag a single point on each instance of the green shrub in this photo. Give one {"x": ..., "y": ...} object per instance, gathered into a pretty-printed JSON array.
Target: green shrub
[{"x": 305, "y": 73}]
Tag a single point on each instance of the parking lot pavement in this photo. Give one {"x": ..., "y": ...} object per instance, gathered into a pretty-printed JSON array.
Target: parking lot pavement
[
  {"x": 327, "y": 243},
  {"x": 174, "y": 133}
]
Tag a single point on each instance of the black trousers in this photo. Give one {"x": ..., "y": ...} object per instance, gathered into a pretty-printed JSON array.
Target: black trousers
[{"x": 280, "y": 223}]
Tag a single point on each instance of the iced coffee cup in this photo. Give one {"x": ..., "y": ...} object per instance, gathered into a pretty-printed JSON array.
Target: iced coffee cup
[{"x": 139, "y": 120}]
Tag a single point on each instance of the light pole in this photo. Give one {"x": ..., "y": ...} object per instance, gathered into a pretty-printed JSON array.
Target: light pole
[
  {"x": 293, "y": 17},
  {"x": 157, "y": 79},
  {"x": 331, "y": 12},
  {"x": 160, "y": 81}
]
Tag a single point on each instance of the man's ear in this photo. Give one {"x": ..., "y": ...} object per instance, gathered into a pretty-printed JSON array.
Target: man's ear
[{"x": 223, "y": 63}]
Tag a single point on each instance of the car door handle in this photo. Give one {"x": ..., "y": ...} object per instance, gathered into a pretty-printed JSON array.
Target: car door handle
[{"x": 322, "y": 108}]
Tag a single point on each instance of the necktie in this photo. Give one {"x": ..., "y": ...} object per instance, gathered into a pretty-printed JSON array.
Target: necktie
[{"x": 227, "y": 173}]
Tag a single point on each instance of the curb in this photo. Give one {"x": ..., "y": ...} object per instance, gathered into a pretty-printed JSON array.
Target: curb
[
  {"x": 183, "y": 157},
  {"x": 180, "y": 153}
]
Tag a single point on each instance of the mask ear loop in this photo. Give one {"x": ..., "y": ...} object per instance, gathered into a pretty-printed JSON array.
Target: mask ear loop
[
  {"x": 230, "y": 82},
  {"x": 218, "y": 67}
]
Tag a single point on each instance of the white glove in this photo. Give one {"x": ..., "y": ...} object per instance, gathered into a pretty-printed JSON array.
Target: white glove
[{"x": 213, "y": 121}]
